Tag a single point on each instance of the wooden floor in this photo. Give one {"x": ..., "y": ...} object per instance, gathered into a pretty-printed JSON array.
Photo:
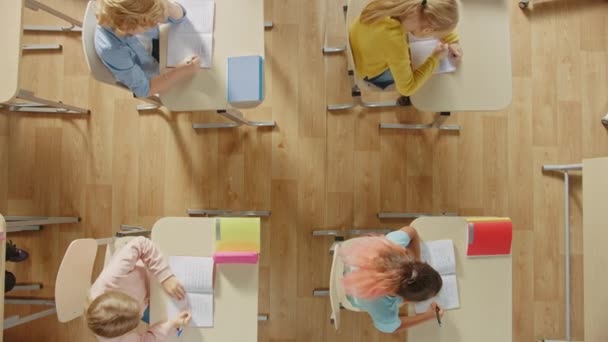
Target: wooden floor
[{"x": 316, "y": 169}]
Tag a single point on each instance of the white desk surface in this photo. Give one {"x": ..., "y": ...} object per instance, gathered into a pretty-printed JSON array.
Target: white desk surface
[
  {"x": 483, "y": 82},
  {"x": 595, "y": 258},
  {"x": 484, "y": 285},
  {"x": 236, "y": 286},
  {"x": 11, "y": 16},
  {"x": 239, "y": 31}
]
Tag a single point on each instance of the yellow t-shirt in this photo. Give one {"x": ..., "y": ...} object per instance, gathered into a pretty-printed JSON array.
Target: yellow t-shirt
[{"x": 382, "y": 45}]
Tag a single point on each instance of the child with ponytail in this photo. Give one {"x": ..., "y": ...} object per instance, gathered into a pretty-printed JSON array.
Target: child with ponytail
[
  {"x": 384, "y": 272},
  {"x": 378, "y": 39}
]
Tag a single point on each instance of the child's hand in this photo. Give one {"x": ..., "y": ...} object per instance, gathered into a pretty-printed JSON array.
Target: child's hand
[
  {"x": 182, "y": 319},
  {"x": 455, "y": 52},
  {"x": 433, "y": 308},
  {"x": 193, "y": 64},
  {"x": 441, "y": 50},
  {"x": 174, "y": 288}
]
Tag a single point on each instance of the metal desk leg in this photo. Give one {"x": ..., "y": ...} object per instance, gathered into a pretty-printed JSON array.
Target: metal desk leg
[
  {"x": 75, "y": 25},
  {"x": 23, "y": 223},
  {"x": 16, "y": 320},
  {"x": 237, "y": 119},
  {"x": 268, "y": 25},
  {"x": 565, "y": 168},
  {"x": 41, "y": 47},
  {"x": 228, "y": 213},
  {"x": 40, "y": 105},
  {"x": 152, "y": 103},
  {"x": 410, "y": 215},
  {"x": 436, "y": 123}
]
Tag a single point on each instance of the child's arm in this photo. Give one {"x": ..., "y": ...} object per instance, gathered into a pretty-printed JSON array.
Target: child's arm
[
  {"x": 123, "y": 262},
  {"x": 407, "y": 80},
  {"x": 414, "y": 245},
  {"x": 410, "y": 321},
  {"x": 173, "y": 76}
]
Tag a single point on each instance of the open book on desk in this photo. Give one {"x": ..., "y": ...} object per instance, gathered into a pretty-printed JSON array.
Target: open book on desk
[
  {"x": 196, "y": 275},
  {"x": 194, "y": 35},
  {"x": 440, "y": 255},
  {"x": 421, "y": 49}
]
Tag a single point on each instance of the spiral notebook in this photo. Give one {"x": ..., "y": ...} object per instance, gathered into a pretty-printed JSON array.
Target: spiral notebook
[{"x": 194, "y": 35}]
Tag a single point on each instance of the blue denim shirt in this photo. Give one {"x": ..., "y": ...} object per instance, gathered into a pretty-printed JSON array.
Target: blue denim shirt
[{"x": 127, "y": 58}]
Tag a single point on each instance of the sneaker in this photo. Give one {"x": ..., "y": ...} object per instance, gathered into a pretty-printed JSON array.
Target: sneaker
[
  {"x": 404, "y": 101},
  {"x": 9, "y": 281},
  {"x": 15, "y": 254},
  {"x": 605, "y": 119}
]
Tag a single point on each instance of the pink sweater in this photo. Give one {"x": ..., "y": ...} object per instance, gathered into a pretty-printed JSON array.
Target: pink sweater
[{"x": 128, "y": 271}]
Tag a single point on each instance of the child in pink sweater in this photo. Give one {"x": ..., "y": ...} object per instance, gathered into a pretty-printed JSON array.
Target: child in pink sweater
[{"x": 121, "y": 294}]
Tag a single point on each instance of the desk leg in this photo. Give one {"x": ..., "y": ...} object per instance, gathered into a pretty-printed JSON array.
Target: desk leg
[
  {"x": 268, "y": 25},
  {"x": 75, "y": 25},
  {"x": 237, "y": 119},
  {"x": 40, "y": 105},
  {"x": 436, "y": 123},
  {"x": 410, "y": 215},
  {"x": 41, "y": 47},
  {"x": 228, "y": 213},
  {"x": 22, "y": 223},
  {"x": 564, "y": 169}
]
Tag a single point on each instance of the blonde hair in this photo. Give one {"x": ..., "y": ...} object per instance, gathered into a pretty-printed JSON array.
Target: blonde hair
[
  {"x": 438, "y": 15},
  {"x": 113, "y": 314},
  {"x": 123, "y": 16}
]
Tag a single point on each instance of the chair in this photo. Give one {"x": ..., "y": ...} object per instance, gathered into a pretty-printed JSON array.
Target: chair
[
  {"x": 351, "y": 12},
  {"x": 96, "y": 67}
]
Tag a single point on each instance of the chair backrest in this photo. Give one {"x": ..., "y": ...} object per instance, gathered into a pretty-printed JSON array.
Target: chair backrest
[
  {"x": 354, "y": 9},
  {"x": 74, "y": 279},
  {"x": 337, "y": 294},
  {"x": 96, "y": 67}
]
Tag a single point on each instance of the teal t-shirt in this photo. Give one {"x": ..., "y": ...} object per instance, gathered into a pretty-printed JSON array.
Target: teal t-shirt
[{"x": 384, "y": 311}]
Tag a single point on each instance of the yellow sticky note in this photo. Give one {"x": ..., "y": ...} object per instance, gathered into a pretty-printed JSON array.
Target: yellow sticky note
[{"x": 236, "y": 234}]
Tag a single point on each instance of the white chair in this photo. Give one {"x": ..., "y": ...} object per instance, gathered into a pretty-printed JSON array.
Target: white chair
[
  {"x": 351, "y": 11},
  {"x": 96, "y": 67}
]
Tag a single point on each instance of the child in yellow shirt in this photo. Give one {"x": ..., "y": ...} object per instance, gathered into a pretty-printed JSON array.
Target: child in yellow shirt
[{"x": 378, "y": 39}]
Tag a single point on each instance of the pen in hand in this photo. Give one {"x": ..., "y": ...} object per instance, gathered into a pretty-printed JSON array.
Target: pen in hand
[{"x": 437, "y": 314}]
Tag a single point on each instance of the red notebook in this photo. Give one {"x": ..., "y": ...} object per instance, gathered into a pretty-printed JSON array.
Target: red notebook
[{"x": 489, "y": 238}]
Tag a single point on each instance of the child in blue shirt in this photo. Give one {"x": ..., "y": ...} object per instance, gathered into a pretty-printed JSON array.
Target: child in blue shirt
[
  {"x": 124, "y": 26},
  {"x": 384, "y": 272}
]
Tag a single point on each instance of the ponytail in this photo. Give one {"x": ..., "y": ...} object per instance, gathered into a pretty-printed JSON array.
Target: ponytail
[{"x": 439, "y": 15}]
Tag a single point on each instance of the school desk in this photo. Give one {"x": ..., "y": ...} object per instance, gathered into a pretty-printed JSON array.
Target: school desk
[
  {"x": 595, "y": 258},
  {"x": 235, "y": 288},
  {"x": 11, "y": 94},
  {"x": 238, "y": 31},
  {"x": 483, "y": 80},
  {"x": 484, "y": 286}
]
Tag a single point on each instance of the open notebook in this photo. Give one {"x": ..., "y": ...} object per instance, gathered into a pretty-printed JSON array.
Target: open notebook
[
  {"x": 440, "y": 255},
  {"x": 194, "y": 35},
  {"x": 196, "y": 275},
  {"x": 421, "y": 49}
]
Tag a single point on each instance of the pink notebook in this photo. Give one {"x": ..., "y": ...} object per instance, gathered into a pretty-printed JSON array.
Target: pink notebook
[{"x": 236, "y": 257}]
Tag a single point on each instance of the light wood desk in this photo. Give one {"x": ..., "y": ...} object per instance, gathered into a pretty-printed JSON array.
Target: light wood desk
[
  {"x": 484, "y": 285},
  {"x": 11, "y": 23},
  {"x": 483, "y": 82},
  {"x": 235, "y": 289},
  {"x": 595, "y": 258},
  {"x": 238, "y": 31}
]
